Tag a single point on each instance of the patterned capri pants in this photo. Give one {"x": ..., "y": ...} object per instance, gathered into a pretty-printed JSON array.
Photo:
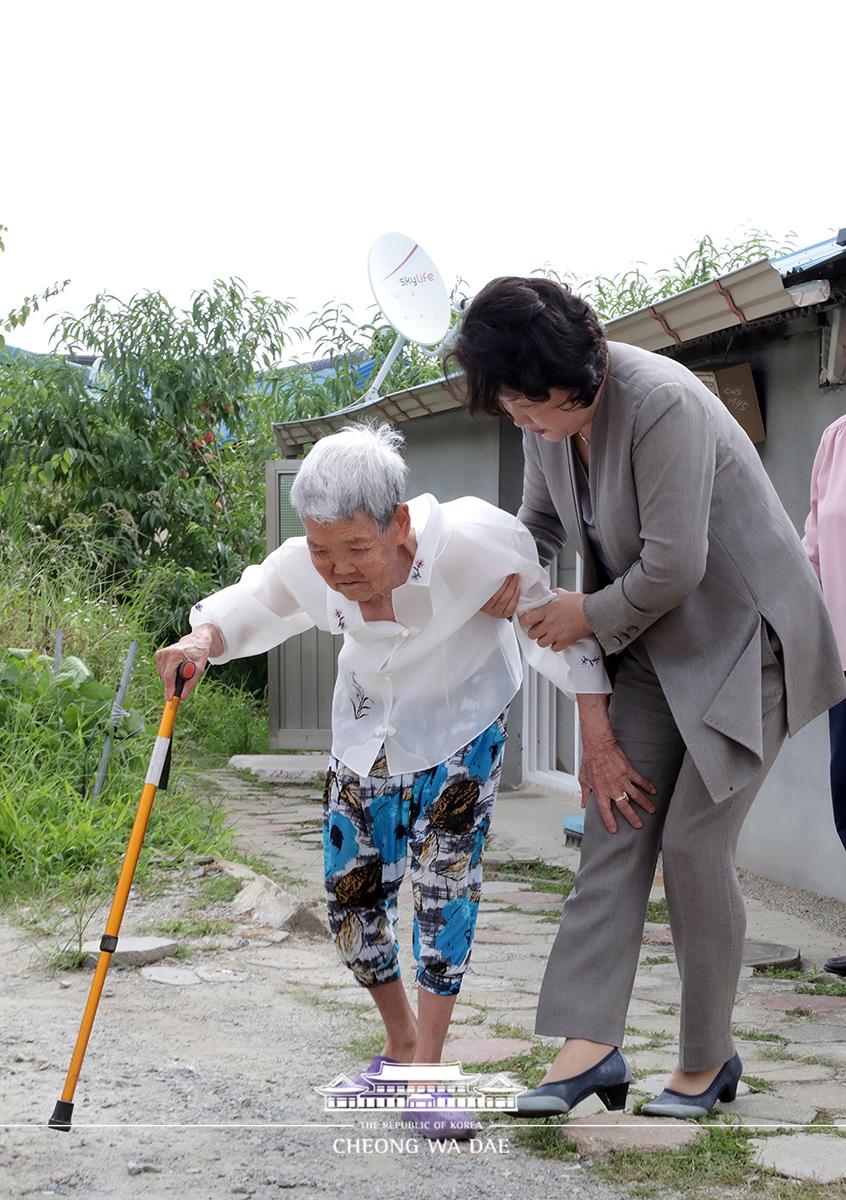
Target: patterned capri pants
[{"x": 369, "y": 822}]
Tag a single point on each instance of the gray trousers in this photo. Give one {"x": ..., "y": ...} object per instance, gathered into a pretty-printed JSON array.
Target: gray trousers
[{"x": 588, "y": 981}]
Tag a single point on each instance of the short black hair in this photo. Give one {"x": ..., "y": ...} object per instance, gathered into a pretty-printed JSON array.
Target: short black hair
[{"x": 526, "y": 335}]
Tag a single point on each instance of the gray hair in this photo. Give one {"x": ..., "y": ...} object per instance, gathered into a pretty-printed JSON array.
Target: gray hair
[{"x": 358, "y": 468}]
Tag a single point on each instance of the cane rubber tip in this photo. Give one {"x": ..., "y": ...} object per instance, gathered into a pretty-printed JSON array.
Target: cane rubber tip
[{"x": 61, "y": 1118}]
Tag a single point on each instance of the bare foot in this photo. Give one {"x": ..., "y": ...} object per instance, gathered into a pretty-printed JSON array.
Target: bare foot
[{"x": 403, "y": 1050}]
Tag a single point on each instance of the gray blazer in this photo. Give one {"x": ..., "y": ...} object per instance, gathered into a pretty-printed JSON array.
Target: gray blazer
[{"x": 701, "y": 550}]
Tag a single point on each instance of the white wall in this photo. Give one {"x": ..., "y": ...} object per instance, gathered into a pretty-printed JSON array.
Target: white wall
[{"x": 789, "y": 834}]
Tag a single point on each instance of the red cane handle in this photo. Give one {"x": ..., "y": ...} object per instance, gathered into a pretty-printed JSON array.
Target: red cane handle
[{"x": 185, "y": 671}]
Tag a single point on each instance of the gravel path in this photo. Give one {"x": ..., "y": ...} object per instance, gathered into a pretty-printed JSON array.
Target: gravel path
[{"x": 823, "y": 911}]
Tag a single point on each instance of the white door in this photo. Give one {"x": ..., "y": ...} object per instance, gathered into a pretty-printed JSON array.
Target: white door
[{"x": 551, "y": 742}]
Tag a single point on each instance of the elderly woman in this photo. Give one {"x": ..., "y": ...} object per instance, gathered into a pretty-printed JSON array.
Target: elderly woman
[
  {"x": 419, "y": 713},
  {"x": 719, "y": 645}
]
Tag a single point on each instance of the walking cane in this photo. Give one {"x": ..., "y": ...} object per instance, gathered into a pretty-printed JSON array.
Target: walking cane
[{"x": 158, "y": 773}]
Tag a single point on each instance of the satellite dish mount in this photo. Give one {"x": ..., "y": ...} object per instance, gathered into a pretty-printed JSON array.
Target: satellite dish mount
[{"x": 409, "y": 290}]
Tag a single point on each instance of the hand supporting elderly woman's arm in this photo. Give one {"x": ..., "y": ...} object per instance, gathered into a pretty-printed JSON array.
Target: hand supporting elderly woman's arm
[
  {"x": 560, "y": 623},
  {"x": 673, "y": 460},
  {"x": 605, "y": 770}
]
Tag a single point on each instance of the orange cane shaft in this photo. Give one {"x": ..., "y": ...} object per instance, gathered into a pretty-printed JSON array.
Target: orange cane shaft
[{"x": 127, "y": 872}]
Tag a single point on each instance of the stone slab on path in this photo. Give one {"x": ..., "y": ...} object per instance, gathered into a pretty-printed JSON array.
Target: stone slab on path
[
  {"x": 815, "y": 1004},
  {"x": 282, "y": 768},
  {"x": 132, "y": 951},
  {"x": 656, "y": 935},
  {"x": 764, "y": 1108},
  {"x": 504, "y": 937},
  {"x": 819, "y": 1157},
  {"x": 651, "y": 1060},
  {"x": 635, "y": 1042},
  {"x": 504, "y": 887},
  {"x": 221, "y": 975},
  {"x": 808, "y": 1032},
  {"x": 756, "y": 954},
  {"x": 478, "y": 1050},
  {"x": 358, "y": 996},
  {"x": 536, "y": 901},
  {"x": 466, "y": 1014},
  {"x": 607, "y": 1132},
  {"x": 834, "y": 1052},
  {"x": 485, "y": 983},
  {"x": 269, "y": 904},
  {"x": 176, "y": 976},
  {"x": 829, "y": 1094},
  {"x": 794, "y": 1073},
  {"x": 664, "y": 1025}
]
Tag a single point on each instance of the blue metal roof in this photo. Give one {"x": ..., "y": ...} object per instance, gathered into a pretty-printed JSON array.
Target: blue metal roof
[{"x": 810, "y": 257}]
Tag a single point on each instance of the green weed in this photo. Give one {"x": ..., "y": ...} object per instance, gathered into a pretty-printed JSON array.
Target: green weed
[
  {"x": 540, "y": 875},
  {"x": 218, "y": 890}
]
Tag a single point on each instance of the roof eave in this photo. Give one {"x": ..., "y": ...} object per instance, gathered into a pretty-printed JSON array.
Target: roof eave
[{"x": 753, "y": 293}]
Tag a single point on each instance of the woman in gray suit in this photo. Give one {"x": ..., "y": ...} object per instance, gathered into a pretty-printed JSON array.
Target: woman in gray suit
[{"x": 718, "y": 644}]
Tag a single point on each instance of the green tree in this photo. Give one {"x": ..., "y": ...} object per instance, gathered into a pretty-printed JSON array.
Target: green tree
[
  {"x": 615, "y": 295},
  {"x": 18, "y": 316},
  {"x": 334, "y": 336},
  {"x": 127, "y": 463}
]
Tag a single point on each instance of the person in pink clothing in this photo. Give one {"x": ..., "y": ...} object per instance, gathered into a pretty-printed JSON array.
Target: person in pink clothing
[{"x": 825, "y": 544}]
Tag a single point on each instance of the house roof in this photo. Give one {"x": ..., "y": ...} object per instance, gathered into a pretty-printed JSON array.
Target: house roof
[
  {"x": 753, "y": 293},
  {"x": 341, "y": 1085},
  {"x": 409, "y": 1072}
]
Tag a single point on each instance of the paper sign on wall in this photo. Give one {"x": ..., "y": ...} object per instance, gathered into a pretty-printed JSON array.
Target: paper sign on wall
[{"x": 736, "y": 388}]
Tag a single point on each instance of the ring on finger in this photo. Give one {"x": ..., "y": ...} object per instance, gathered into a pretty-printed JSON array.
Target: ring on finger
[{"x": 620, "y": 799}]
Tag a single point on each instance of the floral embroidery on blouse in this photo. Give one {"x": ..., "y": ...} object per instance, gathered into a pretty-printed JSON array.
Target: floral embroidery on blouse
[
  {"x": 198, "y": 606},
  {"x": 417, "y": 570},
  {"x": 360, "y": 702},
  {"x": 340, "y": 617},
  {"x": 588, "y": 662}
]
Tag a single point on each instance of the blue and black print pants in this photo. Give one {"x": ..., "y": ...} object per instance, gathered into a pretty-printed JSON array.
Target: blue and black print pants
[{"x": 443, "y": 815}]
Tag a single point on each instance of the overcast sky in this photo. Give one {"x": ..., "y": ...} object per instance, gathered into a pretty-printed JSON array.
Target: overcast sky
[{"x": 161, "y": 144}]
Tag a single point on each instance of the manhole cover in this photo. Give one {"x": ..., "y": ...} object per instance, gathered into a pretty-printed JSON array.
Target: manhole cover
[{"x": 760, "y": 955}]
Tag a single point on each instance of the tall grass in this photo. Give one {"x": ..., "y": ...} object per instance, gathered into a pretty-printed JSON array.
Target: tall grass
[{"x": 53, "y": 834}]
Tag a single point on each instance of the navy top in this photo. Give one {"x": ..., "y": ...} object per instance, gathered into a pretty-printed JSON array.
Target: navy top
[{"x": 583, "y": 491}]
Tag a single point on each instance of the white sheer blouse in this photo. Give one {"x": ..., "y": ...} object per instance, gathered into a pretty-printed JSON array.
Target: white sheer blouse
[{"x": 427, "y": 683}]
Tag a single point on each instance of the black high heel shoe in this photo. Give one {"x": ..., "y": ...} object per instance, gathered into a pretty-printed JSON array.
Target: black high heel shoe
[
  {"x": 610, "y": 1080},
  {"x": 676, "y": 1104}
]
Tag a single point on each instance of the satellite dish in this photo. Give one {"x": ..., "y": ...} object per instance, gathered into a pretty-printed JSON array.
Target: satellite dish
[{"x": 409, "y": 289}]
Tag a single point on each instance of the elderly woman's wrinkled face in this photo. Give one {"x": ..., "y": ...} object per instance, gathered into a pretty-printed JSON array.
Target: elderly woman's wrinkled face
[
  {"x": 552, "y": 419},
  {"x": 356, "y": 558}
]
